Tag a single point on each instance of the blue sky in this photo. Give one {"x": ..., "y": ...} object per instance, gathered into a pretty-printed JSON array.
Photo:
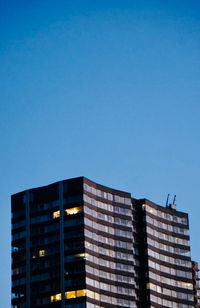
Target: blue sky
[{"x": 104, "y": 89}]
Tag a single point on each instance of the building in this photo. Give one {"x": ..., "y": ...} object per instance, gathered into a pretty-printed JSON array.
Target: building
[
  {"x": 79, "y": 244},
  {"x": 162, "y": 256},
  {"x": 196, "y": 284}
]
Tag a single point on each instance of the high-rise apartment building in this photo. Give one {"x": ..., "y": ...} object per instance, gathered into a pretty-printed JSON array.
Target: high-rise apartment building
[
  {"x": 162, "y": 256},
  {"x": 78, "y": 244},
  {"x": 196, "y": 284}
]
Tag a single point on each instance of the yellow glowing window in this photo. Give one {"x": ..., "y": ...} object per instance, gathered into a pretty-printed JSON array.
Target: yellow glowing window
[
  {"x": 56, "y": 214},
  {"x": 42, "y": 253},
  {"x": 70, "y": 294},
  {"x": 73, "y": 210},
  {"x": 81, "y": 293},
  {"x": 55, "y": 298},
  {"x": 143, "y": 207},
  {"x": 81, "y": 255}
]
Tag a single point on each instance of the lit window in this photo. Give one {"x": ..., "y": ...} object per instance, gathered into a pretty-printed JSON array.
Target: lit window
[
  {"x": 74, "y": 294},
  {"x": 81, "y": 255},
  {"x": 143, "y": 207},
  {"x": 70, "y": 294},
  {"x": 56, "y": 214},
  {"x": 55, "y": 298},
  {"x": 73, "y": 210},
  {"x": 42, "y": 253},
  {"x": 81, "y": 293}
]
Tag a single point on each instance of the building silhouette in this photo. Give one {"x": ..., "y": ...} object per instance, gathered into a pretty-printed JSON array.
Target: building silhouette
[{"x": 79, "y": 244}]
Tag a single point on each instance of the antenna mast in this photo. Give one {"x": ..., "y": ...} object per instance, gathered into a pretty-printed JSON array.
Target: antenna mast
[
  {"x": 167, "y": 200},
  {"x": 174, "y": 200}
]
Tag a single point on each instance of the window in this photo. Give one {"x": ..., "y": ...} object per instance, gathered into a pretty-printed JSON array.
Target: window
[
  {"x": 80, "y": 293},
  {"x": 70, "y": 294},
  {"x": 76, "y": 293},
  {"x": 73, "y": 210},
  {"x": 55, "y": 298},
  {"x": 56, "y": 214},
  {"x": 42, "y": 253},
  {"x": 81, "y": 255}
]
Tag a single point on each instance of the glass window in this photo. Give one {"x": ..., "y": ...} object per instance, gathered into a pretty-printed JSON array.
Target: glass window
[
  {"x": 81, "y": 293},
  {"x": 73, "y": 210},
  {"x": 143, "y": 207},
  {"x": 42, "y": 253},
  {"x": 70, "y": 294},
  {"x": 55, "y": 298},
  {"x": 56, "y": 214}
]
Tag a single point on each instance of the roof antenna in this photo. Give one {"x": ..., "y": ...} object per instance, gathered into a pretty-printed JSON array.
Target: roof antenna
[
  {"x": 174, "y": 200},
  {"x": 167, "y": 200}
]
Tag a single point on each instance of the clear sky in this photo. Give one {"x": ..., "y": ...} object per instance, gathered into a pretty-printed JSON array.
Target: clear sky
[{"x": 105, "y": 89}]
